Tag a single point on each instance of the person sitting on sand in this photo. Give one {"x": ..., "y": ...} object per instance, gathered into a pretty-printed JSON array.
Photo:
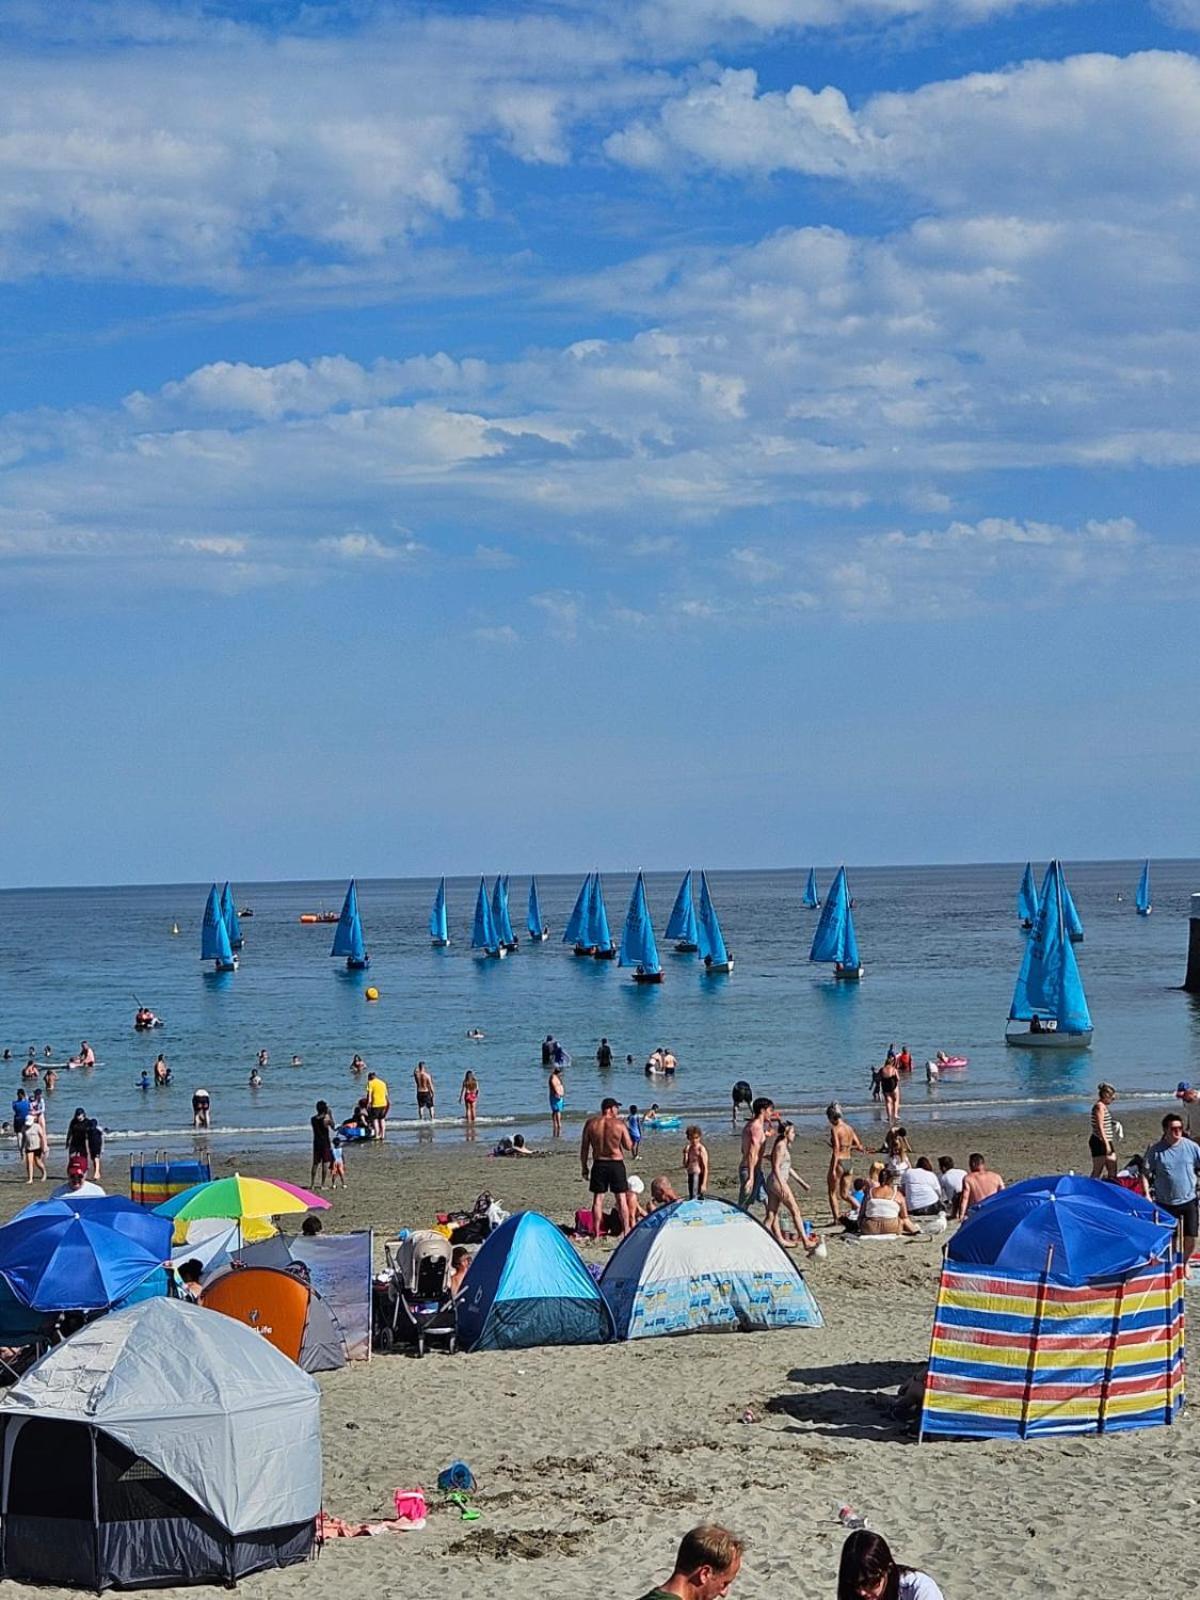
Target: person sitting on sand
[
  {"x": 1132, "y": 1176},
  {"x": 515, "y": 1146},
  {"x": 189, "y": 1274},
  {"x": 868, "y": 1571},
  {"x": 921, "y": 1190},
  {"x": 897, "y": 1151},
  {"x": 706, "y": 1564},
  {"x": 884, "y": 1210},
  {"x": 460, "y": 1265},
  {"x": 780, "y": 1195},
  {"x": 979, "y": 1184},
  {"x": 662, "y": 1194}
]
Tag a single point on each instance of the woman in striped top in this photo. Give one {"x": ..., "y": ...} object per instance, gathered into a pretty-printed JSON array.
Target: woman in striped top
[{"x": 1100, "y": 1143}]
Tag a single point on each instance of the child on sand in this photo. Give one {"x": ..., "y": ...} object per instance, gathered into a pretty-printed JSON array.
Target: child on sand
[
  {"x": 337, "y": 1164},
  {"x": 634, "y": 1123},
  {"x": 695, "y": 1162}
]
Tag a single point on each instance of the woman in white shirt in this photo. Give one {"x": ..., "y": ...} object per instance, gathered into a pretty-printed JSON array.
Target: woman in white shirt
[
  {"x": 868, "y": 1571},
  {"x": 921, "y": 1189}
]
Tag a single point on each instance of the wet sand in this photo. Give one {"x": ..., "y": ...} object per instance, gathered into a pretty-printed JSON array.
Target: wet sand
[{"x": 591, "y": 1462}]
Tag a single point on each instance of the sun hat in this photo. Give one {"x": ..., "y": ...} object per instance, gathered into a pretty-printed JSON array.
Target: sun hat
[{"x": 636, "y": 1185}]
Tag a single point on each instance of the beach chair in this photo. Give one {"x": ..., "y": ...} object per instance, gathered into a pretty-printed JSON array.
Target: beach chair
[
  {"x": 151, "y": 1183},
  {"x": 25, "y": 1335},
  {"x": 412, "y": 1304}
]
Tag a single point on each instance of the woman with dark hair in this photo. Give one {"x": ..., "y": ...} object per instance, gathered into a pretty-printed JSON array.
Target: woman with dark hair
[{"x": 868, "y": 1571}]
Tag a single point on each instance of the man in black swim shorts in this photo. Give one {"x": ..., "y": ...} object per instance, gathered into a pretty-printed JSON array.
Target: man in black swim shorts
[{"x": 603, "y": 1147}]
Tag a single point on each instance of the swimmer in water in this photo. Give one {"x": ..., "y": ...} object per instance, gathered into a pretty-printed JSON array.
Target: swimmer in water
[
  {"x": 297, "y": 1061},
  {"x": 144, "y": 1080},
  {"x": 475, "y": 1033},
  {"x": 255, "y": 1078},
  {"x": 358, "y": 1065}
]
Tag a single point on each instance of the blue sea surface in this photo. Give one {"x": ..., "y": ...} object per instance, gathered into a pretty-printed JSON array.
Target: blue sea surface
[{"x": 941, "y": 947}]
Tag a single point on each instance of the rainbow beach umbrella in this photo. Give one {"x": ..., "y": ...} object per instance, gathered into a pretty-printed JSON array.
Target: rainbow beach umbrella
[{"x": 240, "y": 1199}]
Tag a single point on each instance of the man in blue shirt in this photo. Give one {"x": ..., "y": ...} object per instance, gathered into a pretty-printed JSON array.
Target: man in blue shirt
[{"x": 1173, "y": 1164}]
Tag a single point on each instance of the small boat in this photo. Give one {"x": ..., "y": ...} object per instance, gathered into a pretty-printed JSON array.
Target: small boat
[
  {"x": 246, "y": 911},
  {"x": 598, "y": 937},
  {"x": 577, "y": 922},
  {"x": 348, "y": 941},
  {"x": 318, "y": 916},
  {"x": 1142, "y": 901},
  {"x": 174, "y": 929},
  {"x": 483, "y": 934},
  {"x": 535, "y": 923},
  {"x": 835, "y": 939},
  {"x": 500, "y": 917},
  {"x": 682, "y": 924},
  {"x": 811, "y": 898},
  {"x": 439, "y": 930},
  {"x": 236, "y": 940},
  {"x": 1027, "y": 898},
  {"x": 214, "y": 936},
  {"x": 714, "y": 952},
  {"x": 638, "y": 947},
  {"x": 1049, "y": 997}
]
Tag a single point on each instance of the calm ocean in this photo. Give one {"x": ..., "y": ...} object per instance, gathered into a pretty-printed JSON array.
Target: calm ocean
[{"x": 941, "y": 947}]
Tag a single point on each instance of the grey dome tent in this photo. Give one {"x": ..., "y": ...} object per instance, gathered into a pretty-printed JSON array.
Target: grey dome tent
[{"x": 160, "y": 1444}]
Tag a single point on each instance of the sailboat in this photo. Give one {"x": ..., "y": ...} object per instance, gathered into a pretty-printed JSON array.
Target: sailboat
[
  {"x": 348, "y": 941},
  {"x": 714, "y": 952},
  {"x": 835, "y": 939},
  {"x": 599, "y": 938},
  {"x": 483, "y": 934},
  {"x": 1142, "y": 902},
  {"x": 1027, "y": 898},
  {"x": 534, "y": 921},
  {"x": 229, "y": 912},
  {"x": 682, "y": 925},
  {"x": 500, "y": 916},
  {"x": 638, "y": 947},
  {"x": 576, "y": 927},
  {"x": 811, "y": 898},
  {"x": 439, "y": 931},
  {"x": 214, "y": 936},
  {"x": 1049, "y": 993}
]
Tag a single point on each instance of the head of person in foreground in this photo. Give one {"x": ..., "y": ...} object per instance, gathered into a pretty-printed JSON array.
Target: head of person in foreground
[
  {"x": 868, "y": 1570},
  {"x": 706, "y": 1564}
]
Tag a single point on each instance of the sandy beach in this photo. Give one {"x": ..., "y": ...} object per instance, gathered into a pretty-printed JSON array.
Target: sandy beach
[{"x": 591, "y": 1462}]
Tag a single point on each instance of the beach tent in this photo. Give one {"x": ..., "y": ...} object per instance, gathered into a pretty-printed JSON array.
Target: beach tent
[
  {"x": 340, "y": 1270},
  {"x": 704, "y": 1265},
  {"x": 1060, "y": 1310},
  {"x": 160, "y": 1444},
  {"x": 282, "y": 1308},
  {"x": 527, "y": 1286}
]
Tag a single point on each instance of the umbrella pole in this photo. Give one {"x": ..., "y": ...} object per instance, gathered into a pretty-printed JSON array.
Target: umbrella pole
[{"x": 1031, "y": 1364}]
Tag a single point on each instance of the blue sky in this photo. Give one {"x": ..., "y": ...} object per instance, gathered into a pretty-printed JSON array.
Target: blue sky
[{"x": 536, "y": 436}]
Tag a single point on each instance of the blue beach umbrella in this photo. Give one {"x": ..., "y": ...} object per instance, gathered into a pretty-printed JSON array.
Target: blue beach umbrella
[
  {"x": 67, "y": 1255},
  {"x": 1105, "y": 1194},
  {"x": 1067, "y": 1238}
]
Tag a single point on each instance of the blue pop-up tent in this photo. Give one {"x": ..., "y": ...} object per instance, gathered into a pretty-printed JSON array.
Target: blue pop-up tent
[{"x": 528, "y": 1286}]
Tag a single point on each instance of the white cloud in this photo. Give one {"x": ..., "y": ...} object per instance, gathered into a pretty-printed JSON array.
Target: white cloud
[
  {"x": 503, "y": 635},
  {"x": 367, "y": 547},
  {"x": 563, "y": 609},
  {"x": 494, "y": 557},
  {"x": 752, "y": 566}
]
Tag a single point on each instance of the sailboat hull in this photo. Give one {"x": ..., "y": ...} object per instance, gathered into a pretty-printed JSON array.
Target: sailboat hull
[
  {"x": 1146, "y": 912},
  {"x": 357, "y": 966},
  {"x": 647, "y": 977},
  {"x": 684, "y": 947},
  {"x": 1076, "y": 938},
  {"x": 225, "y": 966},
  {"x": 1052, "y": 1039},
  {"x": 539, "y": 938},
  {"x": 583, "y": 950},
  {"x": 439, "y": 944},
  {"x": 848, "y": 974},
  {"x": 717, "y": 966},
  {"x": 609, "y": 954}
]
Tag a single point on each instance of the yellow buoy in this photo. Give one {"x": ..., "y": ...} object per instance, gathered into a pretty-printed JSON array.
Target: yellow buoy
[{"x": 372, "y": 993}]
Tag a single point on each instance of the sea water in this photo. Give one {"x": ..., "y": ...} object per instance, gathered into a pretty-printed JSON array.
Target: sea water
[{"x": 941, "y": 947}]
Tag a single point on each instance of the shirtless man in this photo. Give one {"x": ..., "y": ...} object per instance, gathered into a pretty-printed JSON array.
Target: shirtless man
[
  {"x": 604, "y": 1144},
  {"x": 843, "y": 1142},
  {"x": 423, "y": 1080},
  {"x": 751, "y": 1186}
]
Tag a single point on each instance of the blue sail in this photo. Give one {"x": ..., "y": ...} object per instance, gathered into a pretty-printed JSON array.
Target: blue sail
[
  {"x": 1048, "y": 985},
  {"x": 1143, "y": 892},
  {"x": 500, "y": 916},
  {"x": 638, "y": 947},
  {"x": 229, "y": 913},
  {"x": 682, "y": 924},
  {"x": 811, "y": 898},
  {"x": 598, "y": 933},
  {"x": 348, "y": 938},
  {"x": 1070, "y": 916},
  {"x": 577, "y": 921},
  {"x": 438, "y": 926},
  {"x": 533, "y": 917},
  {"x": 835, "y": 939},
  {"x": 483, "y": 934},
  {"x": 214, "y": 936},
  {"x": 712, "y": 941},
  {"x": 1027, "y": 897}
]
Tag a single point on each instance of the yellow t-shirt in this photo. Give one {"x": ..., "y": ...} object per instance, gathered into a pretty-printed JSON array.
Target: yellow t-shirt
[{"x": 377, "y": 1092}]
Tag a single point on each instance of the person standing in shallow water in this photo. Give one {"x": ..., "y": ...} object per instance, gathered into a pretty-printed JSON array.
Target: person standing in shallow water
[
  {"x": 558, "y": 1095},
  {"x": 423, "y": 1083}
]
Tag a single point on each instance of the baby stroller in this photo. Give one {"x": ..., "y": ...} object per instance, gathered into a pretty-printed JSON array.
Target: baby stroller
[{"x": 412, "y": 1305}]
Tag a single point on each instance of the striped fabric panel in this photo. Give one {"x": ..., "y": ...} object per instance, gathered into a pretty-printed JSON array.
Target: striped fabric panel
[{"x": 1108, "y": 1349}]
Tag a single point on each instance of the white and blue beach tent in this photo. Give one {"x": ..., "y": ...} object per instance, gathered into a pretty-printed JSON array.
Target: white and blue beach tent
[
  {"x": 528, "y": 1286},
  {"x": 704, "y": 1266}
]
